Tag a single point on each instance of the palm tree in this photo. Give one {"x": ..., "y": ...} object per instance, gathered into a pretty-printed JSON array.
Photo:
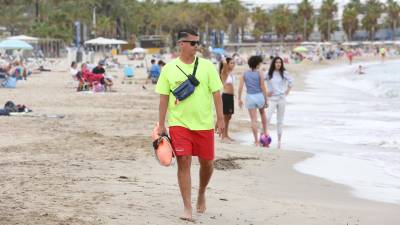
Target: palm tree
[
  {"x": 326, "y": 18},
  {"x": 231, "y": 9},
  {"x": 305, "y": 10},
  {"x": 241, "y": 21},
  {"x": 357, "y": 5},
  {"x": 12, "y": 17},
  {"x": 349, "y": 21},
  {"x": 261, "y": 22},
  {"x": 104, "y": 26},
  {"x": 281, "y": 20},
  {"x": 393, "y": 11},
  {"x": 209, "y": 16},
  {"x": 373, "y": 12}
]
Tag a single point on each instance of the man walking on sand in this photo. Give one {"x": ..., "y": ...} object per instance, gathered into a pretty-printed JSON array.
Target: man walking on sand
[{"x": 191, "y": 120}]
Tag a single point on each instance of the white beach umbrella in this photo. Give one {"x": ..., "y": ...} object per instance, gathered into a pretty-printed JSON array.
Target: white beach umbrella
[
  {"x": 97, "y": 41},
  {"x": 118, "y": 42},
  {"x": 138, "y": 50},
  {"x": 104, "y": 41},
  {"x": 25, "y": 38}
]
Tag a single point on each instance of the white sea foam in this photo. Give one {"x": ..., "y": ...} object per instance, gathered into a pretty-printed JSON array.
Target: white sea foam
[{"x": 352, "y": 123}]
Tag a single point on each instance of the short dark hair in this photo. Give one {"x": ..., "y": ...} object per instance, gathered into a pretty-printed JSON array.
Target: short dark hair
[
  {"x": 161, "y": 63},
  {"x": 254, "y": 61},
  {"x": 185, "y": 32},
  {"x": 153, "y": 61},
  {"x": 73, "y": 63}
]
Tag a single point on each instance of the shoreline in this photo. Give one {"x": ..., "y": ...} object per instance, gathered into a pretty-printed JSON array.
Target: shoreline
[{"x": 300, "y": 76}]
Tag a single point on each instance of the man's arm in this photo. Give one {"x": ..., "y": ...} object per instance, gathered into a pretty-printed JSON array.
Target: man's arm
[
  {"x": 218, "y": 109},
  {"x": 162, "y": 112}
]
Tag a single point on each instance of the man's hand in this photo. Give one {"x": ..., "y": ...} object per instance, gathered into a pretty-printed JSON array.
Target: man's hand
[
  {"x": 162, "y": 129},
  {"x": 220, "y": 126}
]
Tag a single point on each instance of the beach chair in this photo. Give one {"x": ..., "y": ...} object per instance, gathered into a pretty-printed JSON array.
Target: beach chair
[
  {"x": 10, "y": 82},
  {"x": 83, "y": 82},
  {"x": 128, "y": 75}
]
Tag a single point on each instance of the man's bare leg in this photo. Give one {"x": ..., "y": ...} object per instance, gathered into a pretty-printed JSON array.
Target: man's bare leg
[
  {"x": 206, "y": 170},
  {"x": 185, "y": 185}
]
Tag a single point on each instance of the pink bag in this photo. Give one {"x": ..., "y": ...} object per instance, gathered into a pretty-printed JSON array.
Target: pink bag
[{"x": 98, "y": 87}]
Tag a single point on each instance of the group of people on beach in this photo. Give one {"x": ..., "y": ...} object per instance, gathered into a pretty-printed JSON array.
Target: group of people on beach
[
  {"x": 11, "y": 72},
  {"x": 190, "y": 87},
  {"x": 259, "y": 97},
  {"x": 155, "y": 70},
  {"x": 91, "y": 77}
]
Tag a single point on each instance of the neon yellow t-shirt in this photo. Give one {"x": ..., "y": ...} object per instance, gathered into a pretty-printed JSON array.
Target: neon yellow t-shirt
[{"x": 196, "y": 111}]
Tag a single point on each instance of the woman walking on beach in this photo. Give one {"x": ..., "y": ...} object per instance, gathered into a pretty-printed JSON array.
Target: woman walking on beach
[
  {"x": 256, "y": 97},
  {"x": 279, "y": 84},
  {"x": 227, "y": 78}
]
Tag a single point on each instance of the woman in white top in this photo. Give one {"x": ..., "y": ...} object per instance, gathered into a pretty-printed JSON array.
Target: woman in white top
[
  {"x": 279, "y": 84},
  {"x": 76, "y": 75},
  {"x": 73, "y": 70},
  {"x": 225, "y": 70}
]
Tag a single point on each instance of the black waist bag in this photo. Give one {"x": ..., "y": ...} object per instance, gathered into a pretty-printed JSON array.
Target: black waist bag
[{"x": 187, "y": 88}]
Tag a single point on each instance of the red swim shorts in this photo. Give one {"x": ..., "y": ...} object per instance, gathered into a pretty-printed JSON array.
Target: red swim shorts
[{"x": 192, "y": 142}]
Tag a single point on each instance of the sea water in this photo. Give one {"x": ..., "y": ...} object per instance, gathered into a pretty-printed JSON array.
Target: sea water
[{"x": 351, "y": 123}]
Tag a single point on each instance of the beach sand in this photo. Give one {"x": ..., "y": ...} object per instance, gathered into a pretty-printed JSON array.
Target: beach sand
[{"x": 95, "y": 166}]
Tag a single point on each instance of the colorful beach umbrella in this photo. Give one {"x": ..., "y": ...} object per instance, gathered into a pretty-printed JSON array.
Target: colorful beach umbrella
[
  {"x": 300, "y": 49},
  {"x": 15, "y": 44}
]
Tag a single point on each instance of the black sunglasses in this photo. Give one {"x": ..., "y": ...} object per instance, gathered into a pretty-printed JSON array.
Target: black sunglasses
[{"x": 192, "y": 43}]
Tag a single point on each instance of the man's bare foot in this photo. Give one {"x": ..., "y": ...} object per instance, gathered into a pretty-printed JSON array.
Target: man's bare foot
[
  {"x": 187, "y": 215},
  {"x": 201, "y": 203}
]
